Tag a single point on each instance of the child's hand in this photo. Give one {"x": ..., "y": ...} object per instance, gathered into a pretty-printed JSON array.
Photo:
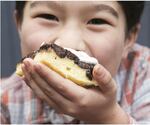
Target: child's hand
[{"x": 90, "y": 105}]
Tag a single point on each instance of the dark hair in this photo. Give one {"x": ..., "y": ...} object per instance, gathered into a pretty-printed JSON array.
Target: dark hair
[
  {"x": 20, "y": 9},
  {"x": 132, "y": 9}
]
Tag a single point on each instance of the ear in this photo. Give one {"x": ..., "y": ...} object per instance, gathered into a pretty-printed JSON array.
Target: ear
[
  {"x": 17, "y": 21},
  {"x": 130, "y": 40}
]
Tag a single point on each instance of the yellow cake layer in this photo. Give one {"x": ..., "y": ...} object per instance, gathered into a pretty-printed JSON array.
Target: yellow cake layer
[{"x": 64, "y": 66}]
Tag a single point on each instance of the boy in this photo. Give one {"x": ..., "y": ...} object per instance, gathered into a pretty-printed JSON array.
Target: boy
[{"x": 104, "y": 30}]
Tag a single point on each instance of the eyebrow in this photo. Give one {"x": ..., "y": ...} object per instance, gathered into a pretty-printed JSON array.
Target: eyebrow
[
  {"x": 54, "y": 4},
  {"x": 50, "y": 4},
  {"x": 103, "y": 7}
]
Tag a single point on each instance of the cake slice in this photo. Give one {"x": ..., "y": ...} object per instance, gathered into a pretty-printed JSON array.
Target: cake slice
[{"x": 74, "y": 65}]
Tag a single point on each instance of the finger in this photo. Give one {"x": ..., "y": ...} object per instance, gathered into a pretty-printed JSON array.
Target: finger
[
  {"x": 104, "y": 79},
  {"x": 35, "y": 88},
  {"x": 50, "y": 93},
  {"x": 56, "y": 97},
  {"x": 25, "y": 72},
  {"x": 64, "y": 86}
]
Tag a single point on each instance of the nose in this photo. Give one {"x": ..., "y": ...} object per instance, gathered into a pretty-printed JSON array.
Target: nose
[{"x": 70, "y": 36}]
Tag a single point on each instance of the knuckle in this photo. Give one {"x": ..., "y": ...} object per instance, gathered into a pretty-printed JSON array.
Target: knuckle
[
  {"x": 39, "y": 95},
  {"x": 114, "y": 88},
  {"x": 46, "y": 89},
  {"x": 82, "y": 103},
  {"x": 33, "y": 75},
  {"x": 71, "y": 111},
  {"x": 106, "y": 77},
  {"x": 81, "y": 100},
  {"x": 61, "y": 88},
  {"x": 47, "y": 76},
  {"x": 49, "y": 92}
]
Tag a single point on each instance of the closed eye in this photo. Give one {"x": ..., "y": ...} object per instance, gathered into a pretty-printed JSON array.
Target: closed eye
[
  {"x": 48, "y": 17},
  {"x": 97, "y": 21}
]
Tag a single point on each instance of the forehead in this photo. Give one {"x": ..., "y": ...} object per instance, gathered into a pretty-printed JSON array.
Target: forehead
[
  {"x": 73, "y": 3},
  {"x": 111, "y": 6}
]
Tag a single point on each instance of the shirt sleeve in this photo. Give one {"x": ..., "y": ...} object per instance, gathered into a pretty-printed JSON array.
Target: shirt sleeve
[
  {"x": 4, "y": 114},
  {"x": 140, "y": 107}
]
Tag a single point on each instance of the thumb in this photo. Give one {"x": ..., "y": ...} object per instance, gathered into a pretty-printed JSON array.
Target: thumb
[{"x": 103, "y": 78}]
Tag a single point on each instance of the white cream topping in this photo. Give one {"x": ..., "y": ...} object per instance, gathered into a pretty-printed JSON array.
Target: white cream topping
[{"x": 83, "y": 56}]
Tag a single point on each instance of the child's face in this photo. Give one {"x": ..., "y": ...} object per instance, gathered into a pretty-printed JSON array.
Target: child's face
[{"x": 98, "y": 28}]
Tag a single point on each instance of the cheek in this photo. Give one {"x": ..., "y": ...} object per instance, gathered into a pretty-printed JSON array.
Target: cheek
[
  {"x": 33, "y": 35},
  {"x": 108, "y": 48}
]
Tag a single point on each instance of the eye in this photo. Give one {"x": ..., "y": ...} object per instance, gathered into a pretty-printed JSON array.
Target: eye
[
  {"x": 97, "y": 21},
  {"x": 48, "y": 17}
]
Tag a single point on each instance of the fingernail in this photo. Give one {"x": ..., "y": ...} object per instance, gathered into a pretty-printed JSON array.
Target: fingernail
[
  {"x": 97, "y": 70},
  {"x": 26, "y": 63}
]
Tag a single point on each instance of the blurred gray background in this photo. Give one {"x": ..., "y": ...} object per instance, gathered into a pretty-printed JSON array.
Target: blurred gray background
[{"x": 10, "y": 49}]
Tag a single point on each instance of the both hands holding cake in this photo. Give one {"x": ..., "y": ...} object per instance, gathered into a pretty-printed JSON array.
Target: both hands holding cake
[{"x": 91, "y": 105}]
